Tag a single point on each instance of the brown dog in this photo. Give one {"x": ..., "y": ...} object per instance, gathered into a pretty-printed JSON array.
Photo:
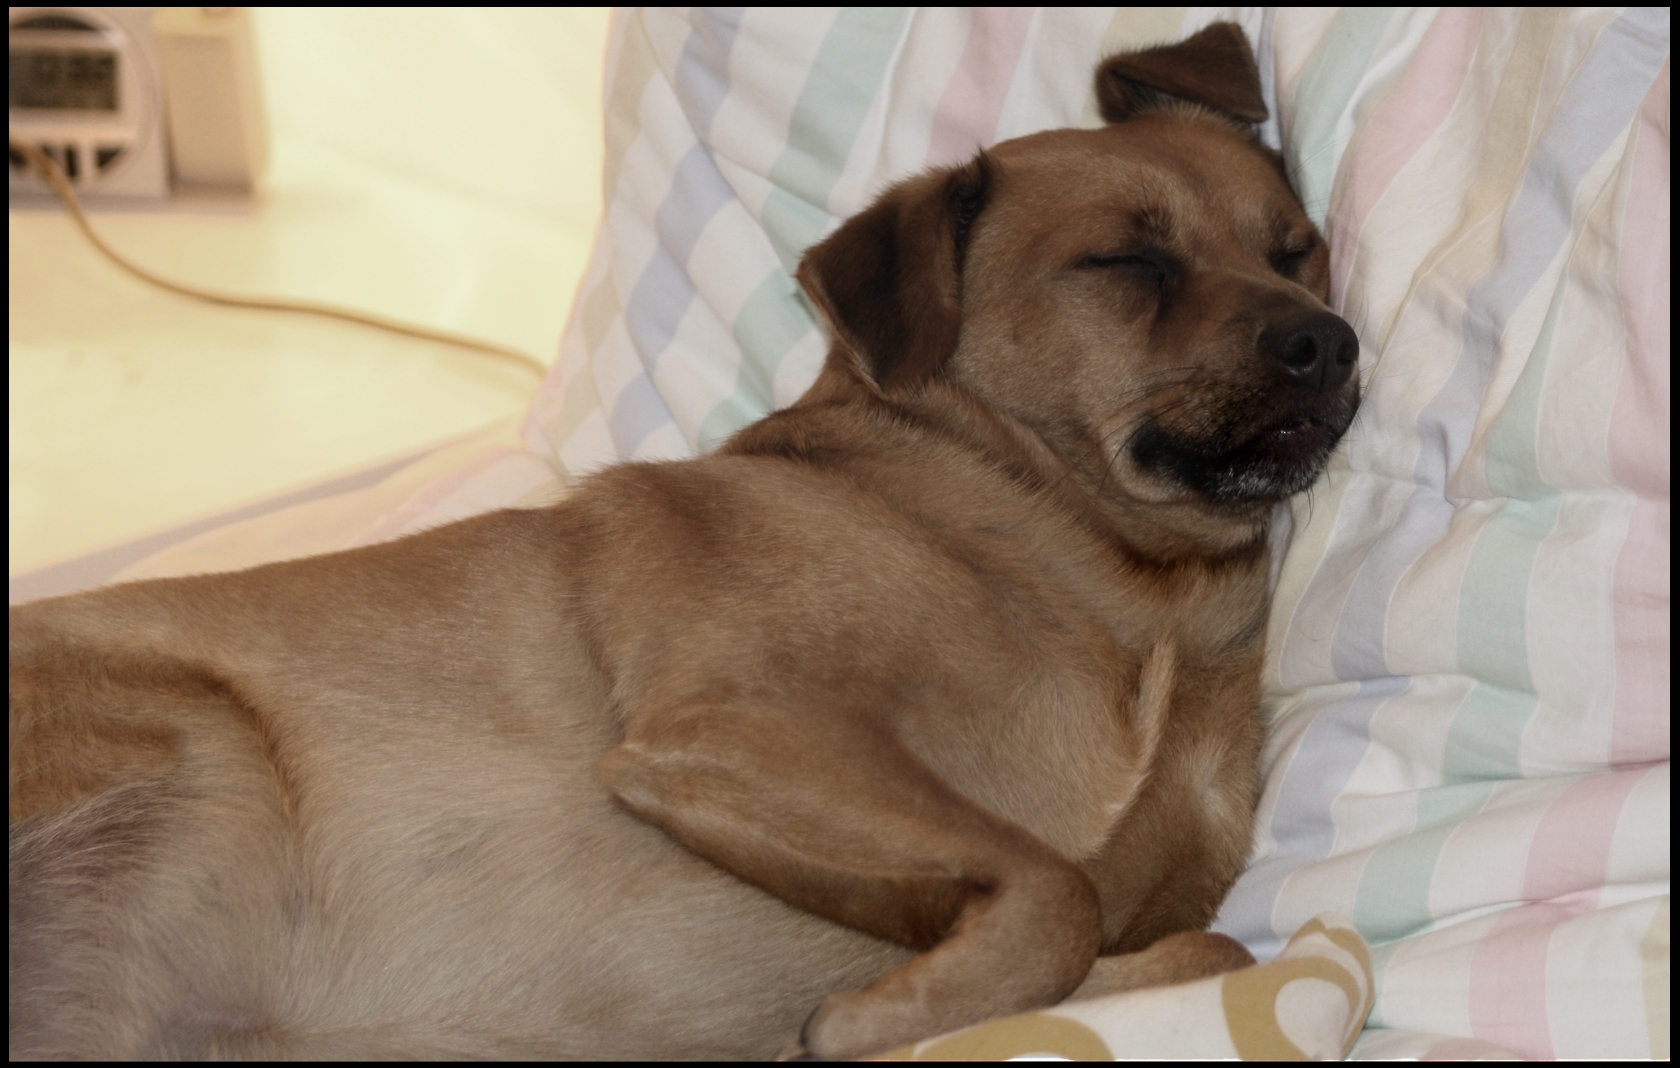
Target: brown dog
[{"x": 906, "y": 704}]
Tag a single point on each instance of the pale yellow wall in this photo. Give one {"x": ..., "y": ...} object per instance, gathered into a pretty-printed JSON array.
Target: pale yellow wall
[{"x": 432, "y": 164}]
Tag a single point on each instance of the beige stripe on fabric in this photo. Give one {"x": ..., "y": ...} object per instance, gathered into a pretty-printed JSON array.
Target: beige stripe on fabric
[{"x": 1132, "y": 27}]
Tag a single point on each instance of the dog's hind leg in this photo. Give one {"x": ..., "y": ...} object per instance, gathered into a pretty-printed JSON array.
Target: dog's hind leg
[
  {"x": 833, "y": 813},
  {"x": 144, "y": 849}
]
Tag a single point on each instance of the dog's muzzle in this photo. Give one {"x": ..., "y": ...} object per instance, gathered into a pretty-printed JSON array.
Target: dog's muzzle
[{"x": 1271, "y": 437}]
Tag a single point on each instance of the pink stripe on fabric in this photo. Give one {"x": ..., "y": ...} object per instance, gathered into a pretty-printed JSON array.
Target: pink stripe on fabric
[
  {"x": 1464, "y": 1049},
  {"x": 430, "y": 495},
  {"x": 1507, "y": 998},
  {"x": 968, "y": 113},
  {"x": 1570, "y": 850},
  {"x": 1568, "y": 862},
  {"x": 1639, "y": 449},
  {"x": 1405, "y": 119}
]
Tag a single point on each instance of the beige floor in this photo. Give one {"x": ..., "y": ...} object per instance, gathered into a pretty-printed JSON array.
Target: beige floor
[{"x": 132, "y": 409}]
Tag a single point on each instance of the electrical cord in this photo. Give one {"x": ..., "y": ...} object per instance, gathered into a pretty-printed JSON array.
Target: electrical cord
[{"x": 50, "y": 170}]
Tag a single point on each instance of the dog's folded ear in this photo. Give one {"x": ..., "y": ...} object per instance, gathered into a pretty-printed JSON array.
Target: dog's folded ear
[
  {"x": 1214, "y": 68},
  {"x": 889, "y": 281}
]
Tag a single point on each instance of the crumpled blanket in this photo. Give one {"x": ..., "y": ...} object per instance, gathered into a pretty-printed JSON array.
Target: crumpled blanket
[{"x": 1307, "y": 1003}]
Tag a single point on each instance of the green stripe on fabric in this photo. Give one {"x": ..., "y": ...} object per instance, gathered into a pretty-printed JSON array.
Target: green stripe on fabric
[
  {"x": 845, "y": 78},
  {"x": 1381, "y": 956},
  {"x": 1486, "y": 735},
  {"x": 1322, "y": 93},
  {"x": 770, "y": 323},
  {"x": 1393, "y": 897},
  {"x": 1493, "y": 598}
]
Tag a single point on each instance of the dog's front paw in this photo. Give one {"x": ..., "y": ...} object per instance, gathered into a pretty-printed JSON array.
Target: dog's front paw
[
  {"x": 849, "y": 1027},
  {"x": 794, "y": 1051}
]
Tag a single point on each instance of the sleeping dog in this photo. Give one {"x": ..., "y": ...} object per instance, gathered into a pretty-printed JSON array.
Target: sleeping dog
[{"x": 932, "y": 697}]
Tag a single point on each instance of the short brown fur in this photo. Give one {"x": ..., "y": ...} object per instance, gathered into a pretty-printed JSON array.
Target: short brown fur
[{"x": 903, "y": 707}]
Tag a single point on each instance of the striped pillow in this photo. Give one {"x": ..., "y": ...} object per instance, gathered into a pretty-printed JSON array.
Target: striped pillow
[
  {"x": 1469, "y": 652},
  {"x": 1469, "y": 645}
]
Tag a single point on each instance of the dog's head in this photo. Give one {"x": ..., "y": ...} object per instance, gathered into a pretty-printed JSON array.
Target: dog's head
[{"x": 1147, "y": 297}]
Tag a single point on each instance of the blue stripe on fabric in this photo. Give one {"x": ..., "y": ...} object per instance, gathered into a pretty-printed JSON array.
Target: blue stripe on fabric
[
  {"x": 637, "y": 413},
  {"x": 702, "y": 78},
  {"x": 663, "y": 293}
]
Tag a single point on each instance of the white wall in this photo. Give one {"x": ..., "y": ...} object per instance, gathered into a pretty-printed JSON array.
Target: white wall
[{"x": 499, "y": 103}]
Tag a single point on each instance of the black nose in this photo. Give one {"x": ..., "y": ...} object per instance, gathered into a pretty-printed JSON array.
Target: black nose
[{"x": 1318, "y": 348}]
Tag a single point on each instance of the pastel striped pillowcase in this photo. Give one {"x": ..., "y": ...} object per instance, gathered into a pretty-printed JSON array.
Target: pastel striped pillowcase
[{"x": 1470, "y": 638}]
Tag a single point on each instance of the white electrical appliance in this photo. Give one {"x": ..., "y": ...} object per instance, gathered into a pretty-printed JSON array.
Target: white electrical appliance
[{"x": 136, "y": 103}]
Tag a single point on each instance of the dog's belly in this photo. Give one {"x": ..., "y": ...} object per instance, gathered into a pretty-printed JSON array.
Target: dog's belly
[
  {"x": 535, "y": 916},
  {"x": 440, "y": 888}
]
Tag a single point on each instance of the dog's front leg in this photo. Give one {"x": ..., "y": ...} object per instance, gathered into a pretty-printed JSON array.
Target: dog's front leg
[
  {"x": 1177, "y": 958},
  {"x": 830, "y": 811}
]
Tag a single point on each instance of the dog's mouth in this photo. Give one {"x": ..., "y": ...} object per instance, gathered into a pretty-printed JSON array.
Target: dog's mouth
[
  {"x": 1240, "y": 462},
  {"x": 1304, "y": 438}
]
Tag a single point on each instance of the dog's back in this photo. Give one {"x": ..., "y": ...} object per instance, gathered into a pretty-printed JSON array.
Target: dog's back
[{"x": 362, "y": 840}]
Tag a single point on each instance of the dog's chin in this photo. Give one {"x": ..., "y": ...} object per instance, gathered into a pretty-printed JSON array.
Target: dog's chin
[{"x": 1277, "y": 462}]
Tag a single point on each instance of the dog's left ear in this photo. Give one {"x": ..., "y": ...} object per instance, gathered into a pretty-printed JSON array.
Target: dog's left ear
[
  {"x": 889, "y": 281},
  {"x": 1214, "y": 68}
]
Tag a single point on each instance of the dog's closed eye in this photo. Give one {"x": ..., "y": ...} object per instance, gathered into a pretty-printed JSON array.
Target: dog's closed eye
[
  {"x": 1289, "y": 261},
  {"x": 1152, "y": 266}
]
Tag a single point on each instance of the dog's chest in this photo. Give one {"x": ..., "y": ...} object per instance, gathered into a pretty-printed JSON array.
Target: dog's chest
[{"x": 1068, "y": 727}]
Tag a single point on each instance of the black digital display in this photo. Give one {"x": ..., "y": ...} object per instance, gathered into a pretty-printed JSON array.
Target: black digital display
[{"x": 76, "y": 79}]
